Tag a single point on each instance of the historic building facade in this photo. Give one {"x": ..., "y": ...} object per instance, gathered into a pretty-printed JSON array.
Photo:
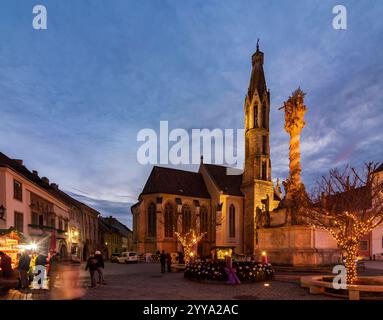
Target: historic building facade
[
  {"x": 211, "y": 201},
  {"x": 40, "y": 210}
]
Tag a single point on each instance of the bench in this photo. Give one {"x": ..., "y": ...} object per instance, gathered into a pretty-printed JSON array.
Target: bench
[{"x": 317, "y": 286}]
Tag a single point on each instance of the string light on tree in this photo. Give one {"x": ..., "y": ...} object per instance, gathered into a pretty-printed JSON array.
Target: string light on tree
[{"x": 189, "y": 242}]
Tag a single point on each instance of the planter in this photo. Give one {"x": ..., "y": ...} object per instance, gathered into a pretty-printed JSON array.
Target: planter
[{"x": 214, "y": 271}]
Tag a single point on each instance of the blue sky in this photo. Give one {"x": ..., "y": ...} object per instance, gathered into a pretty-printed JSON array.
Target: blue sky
[{"x": 74, "y": 96}]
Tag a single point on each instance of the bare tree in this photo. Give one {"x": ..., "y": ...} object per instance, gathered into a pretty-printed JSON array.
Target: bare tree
[{"x": 348, "y": 204}]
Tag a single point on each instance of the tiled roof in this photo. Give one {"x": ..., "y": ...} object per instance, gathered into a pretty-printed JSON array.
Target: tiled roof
[
  {"x": 228, "y": 184},
  {"x": 111, "y": 221},
  {"x": 174, "y": 181},
  {"x": 50, "y": 188}
]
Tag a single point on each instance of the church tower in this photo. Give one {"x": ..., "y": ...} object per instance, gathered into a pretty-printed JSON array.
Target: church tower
[{"x": 256, "y": 180}]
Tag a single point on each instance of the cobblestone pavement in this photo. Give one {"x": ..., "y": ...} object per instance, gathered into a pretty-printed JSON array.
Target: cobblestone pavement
[{"x": 144, "y": 281}]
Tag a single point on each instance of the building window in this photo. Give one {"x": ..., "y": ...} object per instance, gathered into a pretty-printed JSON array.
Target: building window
[
  {"x": 19, "y": 221},
  {"x": 53, "y": 221},
  {"x": 152, "y": 220},
  {"x": 17, "y": 190},
  {"x": 264, "y": 145},
  {"x": 264, "y": 170},
  {"x": 203, "y": 220},
  {"x": 363, "y": 245},
  {"x": 35, "y": 218},
  {"x": 61, "y": 224},
  {"x": 186, "y": 219},
  {"x": 169, "y": 221},
  {"x": 264, "y": 117},
  {"x": 232, "y": 221},
  {"x": 256, "y": 115}
]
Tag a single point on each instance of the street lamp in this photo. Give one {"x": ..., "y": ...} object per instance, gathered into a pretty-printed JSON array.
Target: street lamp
[{"x": 2, "y": 212}]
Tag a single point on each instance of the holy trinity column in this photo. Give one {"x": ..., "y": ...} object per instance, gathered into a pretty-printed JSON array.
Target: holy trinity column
[{"x": 294, "y": 113}]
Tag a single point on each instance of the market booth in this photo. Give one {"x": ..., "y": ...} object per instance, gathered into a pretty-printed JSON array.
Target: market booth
[{"x": 11, "y": 242}]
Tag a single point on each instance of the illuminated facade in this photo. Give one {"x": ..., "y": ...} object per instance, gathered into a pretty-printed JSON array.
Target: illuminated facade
[
  {"x": 224, "y": 206},
  {"x": 39, "y": 209}
]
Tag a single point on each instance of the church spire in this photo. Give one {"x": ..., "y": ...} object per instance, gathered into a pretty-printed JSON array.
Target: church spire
[{"x": 257, "y": 81}]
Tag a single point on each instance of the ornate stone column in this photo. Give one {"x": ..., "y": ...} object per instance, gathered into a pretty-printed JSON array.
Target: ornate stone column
[{"x": 294, "y": 123}]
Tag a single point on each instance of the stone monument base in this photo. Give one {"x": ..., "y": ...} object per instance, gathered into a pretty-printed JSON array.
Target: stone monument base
[{"x": 297, "y": 246}]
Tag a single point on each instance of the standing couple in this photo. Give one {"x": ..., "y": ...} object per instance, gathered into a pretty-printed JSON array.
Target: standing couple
[
  {"x": 95, "y": 265},
  {"x": 165, "y": 258}
]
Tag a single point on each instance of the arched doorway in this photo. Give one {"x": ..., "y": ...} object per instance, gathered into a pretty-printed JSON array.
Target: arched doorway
[{"x": 63, "y": 251}]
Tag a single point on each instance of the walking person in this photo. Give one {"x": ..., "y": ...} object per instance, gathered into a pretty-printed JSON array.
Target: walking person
[
  {"x": 53, "y": 269},
  {"x": 23, "y": 269},
  {"x": 92, "y": 266},
  {"x": 6, "y": 265},
  {"x": 163, "y": 261},
  {"x": 100, "y": 267},
  {"x": 40, "y": 270},
  {"x": 169, "y": 262}
]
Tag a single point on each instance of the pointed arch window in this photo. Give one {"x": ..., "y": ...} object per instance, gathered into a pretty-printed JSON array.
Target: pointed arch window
[
  {"x": 186, "y": 219},
  {"x": 256, "y": 115},
  {"x": 232, "y": 221},
  {"x": 264, "y": 117},
  {"x": 169, "y": 226},
  {"x": 203, "y": 220},
  {"x": 152, "y": 223}
]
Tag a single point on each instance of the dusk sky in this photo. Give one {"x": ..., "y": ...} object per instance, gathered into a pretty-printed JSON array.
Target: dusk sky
[{"x": 74, "y": 96}]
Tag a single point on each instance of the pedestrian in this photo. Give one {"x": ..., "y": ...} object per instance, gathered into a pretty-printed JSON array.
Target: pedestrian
[
  {"x": 163, "y": 261},
  {"x": 169, "y": 262},
  {"x": 92, "y": 266},
  {"x": 100, "y": 267},
  {"x": 6, "y": 265},
  {"x": 54, "y": 261},
  {"x": 23, "y": 269},
  {"x": 181, "y": 258},
  {"x": 40, "y": 269}
]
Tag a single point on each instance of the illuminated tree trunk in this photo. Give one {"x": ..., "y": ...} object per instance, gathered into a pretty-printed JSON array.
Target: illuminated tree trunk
[{"x": 351, "y": 255}]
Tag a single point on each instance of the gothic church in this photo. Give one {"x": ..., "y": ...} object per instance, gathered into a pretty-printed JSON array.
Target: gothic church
[{"x": 224, "y": 206}]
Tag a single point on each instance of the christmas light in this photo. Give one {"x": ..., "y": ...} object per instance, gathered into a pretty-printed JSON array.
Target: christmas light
[{"x": 188, "y": 242}]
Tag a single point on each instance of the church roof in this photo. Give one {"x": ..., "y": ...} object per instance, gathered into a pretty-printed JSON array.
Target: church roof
[
  {"x": 257, "y": 80},
  {"x": 174, "y": 181},
  {"x": 228, "y": 184}
]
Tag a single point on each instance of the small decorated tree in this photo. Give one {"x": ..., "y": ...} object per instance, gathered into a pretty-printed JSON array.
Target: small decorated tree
[
  {"x": 348, "y": 204},
  {"x": 189, "y": 242}
]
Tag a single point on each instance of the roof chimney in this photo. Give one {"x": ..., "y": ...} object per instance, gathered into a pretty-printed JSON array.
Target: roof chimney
[
  {"x": 55, "y": 186},
  {"x": 45, "y": 180},
  {"x": 18, "y": 161}
]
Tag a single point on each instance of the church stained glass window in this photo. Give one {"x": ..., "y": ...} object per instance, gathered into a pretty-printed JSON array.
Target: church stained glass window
[
  {"x": 232, "y": 221},
  {"x": 152, "y": 225}
]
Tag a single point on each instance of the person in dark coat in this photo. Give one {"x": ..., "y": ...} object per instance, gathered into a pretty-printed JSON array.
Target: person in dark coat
[
  {"x": 169, "y": 262},
  {"x": 41, "y": 261},
  {"x": 100, "y": 268},
  {"x": 92, "y": 265},
  {"x": 6, "y": 265},
  {"x": 163, "y": 261},
  {"x": 23, "y": 268},
  {"x": 54, "y": 261}
]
